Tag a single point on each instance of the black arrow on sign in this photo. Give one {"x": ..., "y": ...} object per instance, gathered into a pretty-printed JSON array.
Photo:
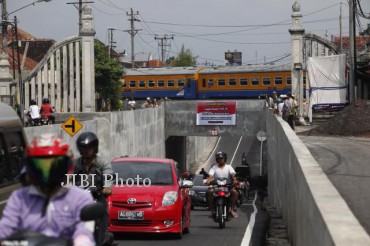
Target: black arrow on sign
[{"x": 71, "y": 126}]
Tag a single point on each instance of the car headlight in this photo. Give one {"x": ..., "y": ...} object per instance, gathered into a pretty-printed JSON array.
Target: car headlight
[
  {"x": 192, "y": 193},
  {"x": 169, "y": 198}
]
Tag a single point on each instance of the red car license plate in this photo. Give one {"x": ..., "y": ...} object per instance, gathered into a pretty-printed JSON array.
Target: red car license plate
[{"x": 130, "y": 215}]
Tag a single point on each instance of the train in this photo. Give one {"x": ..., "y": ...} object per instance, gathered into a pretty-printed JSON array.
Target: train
[{"x": 221, "y": 82}]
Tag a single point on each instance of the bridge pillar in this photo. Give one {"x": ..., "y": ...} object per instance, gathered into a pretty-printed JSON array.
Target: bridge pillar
[{"x": 87, "y": 34}]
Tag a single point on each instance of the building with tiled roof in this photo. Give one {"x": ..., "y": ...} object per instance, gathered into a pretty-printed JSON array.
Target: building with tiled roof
[{"x": 31, "y": 50}]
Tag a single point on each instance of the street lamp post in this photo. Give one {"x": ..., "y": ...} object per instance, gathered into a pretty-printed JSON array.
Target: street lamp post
[{"x": 298, "y": 68}]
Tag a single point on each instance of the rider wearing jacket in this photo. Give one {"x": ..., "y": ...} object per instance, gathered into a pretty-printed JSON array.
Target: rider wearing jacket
[
  {"x": 89, "y": 164},
  {"x": 46, "y": 110},
  {"x": 43, "y": 205},
  {"x": 223, "y": 170}
]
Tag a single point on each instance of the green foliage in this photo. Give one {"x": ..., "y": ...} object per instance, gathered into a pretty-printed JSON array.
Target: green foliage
[
  {"x": 184, "y": 58},
  {"x": 108, "y": 75}
]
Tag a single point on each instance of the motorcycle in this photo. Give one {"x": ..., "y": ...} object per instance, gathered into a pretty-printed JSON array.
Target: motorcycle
[
  {"x": 242, "y": 189},
  {"x": 109, "y": 238},
  {"x": 45, "y": 120},
  {"x": 221, "y": 205},
  {"x": 88, "y": 213}
]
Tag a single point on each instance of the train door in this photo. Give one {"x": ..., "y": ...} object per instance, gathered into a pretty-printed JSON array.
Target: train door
[{"x": 190, "y": 89}]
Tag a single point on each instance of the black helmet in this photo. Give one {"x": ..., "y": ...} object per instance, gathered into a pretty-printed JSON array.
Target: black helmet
[
  {"x": 220, "y": 155},
  {"x": 33, "y": 102},
  {"x": 45, "y": 100},
  {"x": 87, "y": 139}
]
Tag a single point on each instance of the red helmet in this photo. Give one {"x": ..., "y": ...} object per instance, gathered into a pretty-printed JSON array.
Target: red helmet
[{"x": 49, "y": 159}]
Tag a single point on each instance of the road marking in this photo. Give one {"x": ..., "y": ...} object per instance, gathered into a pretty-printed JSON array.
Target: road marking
[
  {"x": 236, "y": 150},
  {"x": 248, "y": 231},
  {"x": 2, "y": 202}
]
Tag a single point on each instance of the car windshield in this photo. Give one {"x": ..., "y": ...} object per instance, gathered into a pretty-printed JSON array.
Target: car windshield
[
  {"x": 198, "y": 181},
  {"x": 157, "y": 173}
]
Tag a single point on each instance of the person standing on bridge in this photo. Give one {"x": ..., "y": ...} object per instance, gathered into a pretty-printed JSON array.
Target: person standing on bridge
[{"x": 222, "y": 170}]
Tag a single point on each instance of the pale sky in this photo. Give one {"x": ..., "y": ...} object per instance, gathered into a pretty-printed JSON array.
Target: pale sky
[{"x": 257, "y": 28}]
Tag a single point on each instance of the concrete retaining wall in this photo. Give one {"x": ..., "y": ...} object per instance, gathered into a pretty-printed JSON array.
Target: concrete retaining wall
[
  {"x": 312, "y": 208},
  {"x": 133, "y": 133}
]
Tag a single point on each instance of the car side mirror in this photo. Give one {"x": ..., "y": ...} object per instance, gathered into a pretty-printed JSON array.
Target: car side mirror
[
  {"x": 186, "y": 184},
  {"x": 92, "y": 211}
]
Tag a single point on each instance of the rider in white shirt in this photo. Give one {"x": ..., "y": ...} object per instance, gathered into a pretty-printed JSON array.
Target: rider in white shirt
[{"x": 223, "y": 170}]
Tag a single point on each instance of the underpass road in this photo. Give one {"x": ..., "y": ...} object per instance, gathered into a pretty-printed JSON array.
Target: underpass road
[{"x": 203, "y": 231}]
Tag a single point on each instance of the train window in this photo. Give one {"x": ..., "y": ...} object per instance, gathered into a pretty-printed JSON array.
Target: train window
[
  {"x": 170, "y": 83},
  {"x": 232, "y": 81},
  {"x": 151, "y": 83},
  {"x": 141, "y": 83},
  {"x": 221, "y": 82},
  {"x": 289, "y": 80},
  {"x": 266, "y": 81},
  {"x": 203, "y": 82},
  {"x": 210, "y": 82},
  {"x": 278, "y": 80},
  {"x": 124, "y": 84},
  {"x": 132, "y": 83},
  {"x": 255, "y": 81},
  {"x": 180, "y": 83},
  {"x": 160, "y": 83},
  {"x": 243, "y": 81}
]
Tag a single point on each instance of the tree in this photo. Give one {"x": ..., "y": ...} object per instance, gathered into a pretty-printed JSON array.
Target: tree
[
  {"x": 184, "y": 58},
  {"x": 108, "y": 75}
]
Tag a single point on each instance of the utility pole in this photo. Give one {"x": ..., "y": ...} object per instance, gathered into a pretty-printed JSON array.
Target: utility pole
[
  {"x": 340, "y": 30},
  {"x": 133, "y": 32},
  {"x": 111, "y": 41},
  {"x": 352, "y": 52},
  {"x": 80, "y": 2},
  {"x": 163, "y": 43}
]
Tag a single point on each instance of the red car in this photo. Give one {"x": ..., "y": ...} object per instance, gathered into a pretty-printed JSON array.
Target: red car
[{"x": 150, "y": 196}]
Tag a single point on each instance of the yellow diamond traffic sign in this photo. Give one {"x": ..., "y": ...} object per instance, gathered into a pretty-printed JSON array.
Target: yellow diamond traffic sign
[{"x": 72, "y": 126}]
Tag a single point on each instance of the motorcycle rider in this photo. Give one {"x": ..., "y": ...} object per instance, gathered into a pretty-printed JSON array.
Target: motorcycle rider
[
  {"x": 222, "y": 170},
  {"x": 95, "y": 167},
  {"x": 46, "y": 110},
  {"x": 43, "y": 205},
  {"x": 33, "y": 113}
]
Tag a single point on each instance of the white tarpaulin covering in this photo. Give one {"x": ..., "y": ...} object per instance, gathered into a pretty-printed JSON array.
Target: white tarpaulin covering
[{"x": 328, "y": 84}]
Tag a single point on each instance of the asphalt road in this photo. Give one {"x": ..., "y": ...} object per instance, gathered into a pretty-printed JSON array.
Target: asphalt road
[
  {"x": 346, "y": 162},
  {"x": 203, "y": 230}
]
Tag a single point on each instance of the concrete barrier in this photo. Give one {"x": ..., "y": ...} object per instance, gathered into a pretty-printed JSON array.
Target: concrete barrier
[{"x": 312, "y": 208}]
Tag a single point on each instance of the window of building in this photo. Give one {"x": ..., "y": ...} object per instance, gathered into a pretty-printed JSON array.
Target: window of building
[
  {"x": 160, "y": 83},
  {"x": 132, "y": 83},
  {"x": 289, "y": 80},
  {"x": 255, "y": 81},
  {"x": 232, "y": 81},
  {"x": 304, "y": 80},
  {"x": 266, "y": 81},
  {"x": 243, "y": 81},
  {"x": 141, "y": 83},
  {"x": 170, "y": 83},
  {"x": 151, "y": 83},
  {"x": 278, "y": 80},
  {"x": 221, "y": 82},
  {"x": 180, "y": 83}
]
